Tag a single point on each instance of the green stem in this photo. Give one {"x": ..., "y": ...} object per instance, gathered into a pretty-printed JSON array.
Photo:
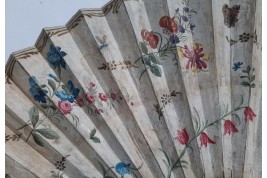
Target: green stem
[{"x": 189, "y": 142}]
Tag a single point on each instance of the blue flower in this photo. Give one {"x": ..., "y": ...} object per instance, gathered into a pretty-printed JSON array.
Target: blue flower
[
  {"x": 122, "y": 168},
  {"x": 37, "y": 93},
  {"x": 55, "y": 57},
  {"x": 177, "y": 10},
  {"x": 174, "y": 39},
  {"x": 192, "y": 26},
  {"x": 64, "y": 96},
  {"x": 186, "y": 9},
  {"x": 181, "y": 29},
  {"x": 70, "y": 95},
  {"x": 237, "y": 66},
  {"x": 184, "y": 18}
]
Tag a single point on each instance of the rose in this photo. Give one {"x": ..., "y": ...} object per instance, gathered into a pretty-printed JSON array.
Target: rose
[
  {"x": 79, "y": 101},
  {"x": 89, "y": 98},
  {"x": 113, "y": 95},
  {"x": 103, "y": 97},
  {"x": 168, "y": 23},
  {"x": 150, "y": 37},
  {"x": 145, "y": 34},
  {"x": 91, "y": 85},
  {"x": 182, "y": 136},
  {"x": 64, "y": 107}
]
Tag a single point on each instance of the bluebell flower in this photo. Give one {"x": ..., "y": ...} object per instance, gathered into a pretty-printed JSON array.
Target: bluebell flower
[
  {"x": 181, "y": 29},
  {"x": 122, "y": 168},
  {"x": 37, "y": 93},
  {"x": 192, "y": 26},
  {"x": 55, "y": 57},
  {"x": 186, "y": 9},
  {"x": 174, "y": 39},
  {"x": 184, "y": 18},
  {"x": 237, "y": 66}
]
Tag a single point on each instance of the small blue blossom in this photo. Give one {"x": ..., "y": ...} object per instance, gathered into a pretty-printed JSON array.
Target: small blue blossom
[
  {"x": 192, "y": 26},
  {"x": 181, "y": 29},
  {"x": 55, "y": 57},
  {"x": 177, "y": 10},
  {"x": 54, "y": 77},
  {"x": 184, "y": 18},
  {"x": 174, "y": 39},
  {"x": 237, "y": 66},
  {"x": 122, "y": 168},
  {"x": 186, "y": 9},
  {"x": 69, "y": 95},
  {"x": 37, "y": 93}
]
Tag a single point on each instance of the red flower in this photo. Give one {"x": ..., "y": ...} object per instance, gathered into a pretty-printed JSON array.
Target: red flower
[
  {"x": 168, "y": 23},
  {"x": 194, "y": 58},
  {"x": 79, "y": 101},
  {"x": 98, "y": 111},
  {"x": 91, "y": 85},
  {"x": 249, "y": 114},
  {"x": 150, "y": 37},
  {"x": 182, "y": 136},
  {"x": 229, "y": 127},
  {"x": 113, "y": 95},
  {"x": 204, "y": 139},
  {"x": 89, "y": 98},
  {"x": 64, "y": 107},
  {"x": 103, "y": 97}
]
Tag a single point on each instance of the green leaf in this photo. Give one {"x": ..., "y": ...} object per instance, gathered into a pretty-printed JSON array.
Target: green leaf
[
  {"x": 156, "y": 70},
  {"x": 38, "y": 139},
  {"x": 166, "y": 156},
  {"x": 147, "y": 61},
  {"x": 143, "y": 47},
  {"x": 43, "y": 86},
  {"x": 34, "y": 115},
  {"x": 245, "y": 84},
  {"x": 252, "y": 78},
  {"x": 92, "y": 133},
  {"x": 95, "y": 139},
  {"x": 48, "y": 133},
  {"x": 154, "y": 59},
  {"x": 52, "y": 84},
  {"x": 44, "y": 106},
  {"x": 53, "y": 107}
]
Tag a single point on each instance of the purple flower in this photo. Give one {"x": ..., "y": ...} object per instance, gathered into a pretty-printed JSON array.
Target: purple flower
[
  {"x": 192, "y": 26},
  {"x": 174, "y": 39},
  {"x": 184, "y": 18},
  {"x": 181, "y": 29},
  {"x": 186, "y": 9}
]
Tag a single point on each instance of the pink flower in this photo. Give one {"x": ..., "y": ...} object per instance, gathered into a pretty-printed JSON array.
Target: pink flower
[
  {"x": 204, "y": 139},
  {"x": 89, "y": 98},
  {"x": 194, "y": 57},
  {"x": 229, "y": 127},
  {"x": 64, "y": 107},
  {"x": 113, "y": 95},
  {"x": 79, "y": 101},
  {"x": 249, "y": 114},
  {"x": 103, "y": 97},
  {"x": 182, "y": 136},
  {"x": 98, "y": 111},
  {"x": 91, "y": 85}
]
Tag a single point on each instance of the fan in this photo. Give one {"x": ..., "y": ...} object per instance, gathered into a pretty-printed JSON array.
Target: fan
[{"x": 139, "y": 88}]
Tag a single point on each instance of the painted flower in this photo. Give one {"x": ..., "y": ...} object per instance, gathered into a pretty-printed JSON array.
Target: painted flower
[
  {"x": 204, "y": 139},
  {"x": 98, "y": 111},
  {"x": 122, "y": 168},
  {"x": 249, "y": 114},
  {"x": 113, "y": 95},
  {"x": 103, "y": 97},
  {"x": 168, "y": 23},
  {"x": 237, "y": 66},
  {"x": 184, "y": 18},
  {"x": 174, "y": 39},
  {"x": 150, "y": 37},
  {"x": 181, "y": 29},
  {"x": 229, "y": 127},
  {"x": 64, "y": 96},
  {"x": 74, "y": 91},
  {"x": 64, "y": 107},
  {"x": 186, "y": 9},
  {"x": 194, "y": 57},
  {"x": 192, "y": 26},
  {"x": 89, "y": 98},
  {"x": 55, "y": 57},
  {"x": 91, "y": 85},
  {"x": 37, "y": 93},
  {"x": 182, "y": 136},
  {"x": 79, "y": 101},
  {"x": 54, "y": 77}
]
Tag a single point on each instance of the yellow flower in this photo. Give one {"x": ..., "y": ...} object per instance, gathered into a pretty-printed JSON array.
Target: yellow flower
[
  {"x": 194, "y": 68},
  {"x": 197, "y": 45},
  {"x": 180, "y": 52},
  {"x": 206, "y": 56}
]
